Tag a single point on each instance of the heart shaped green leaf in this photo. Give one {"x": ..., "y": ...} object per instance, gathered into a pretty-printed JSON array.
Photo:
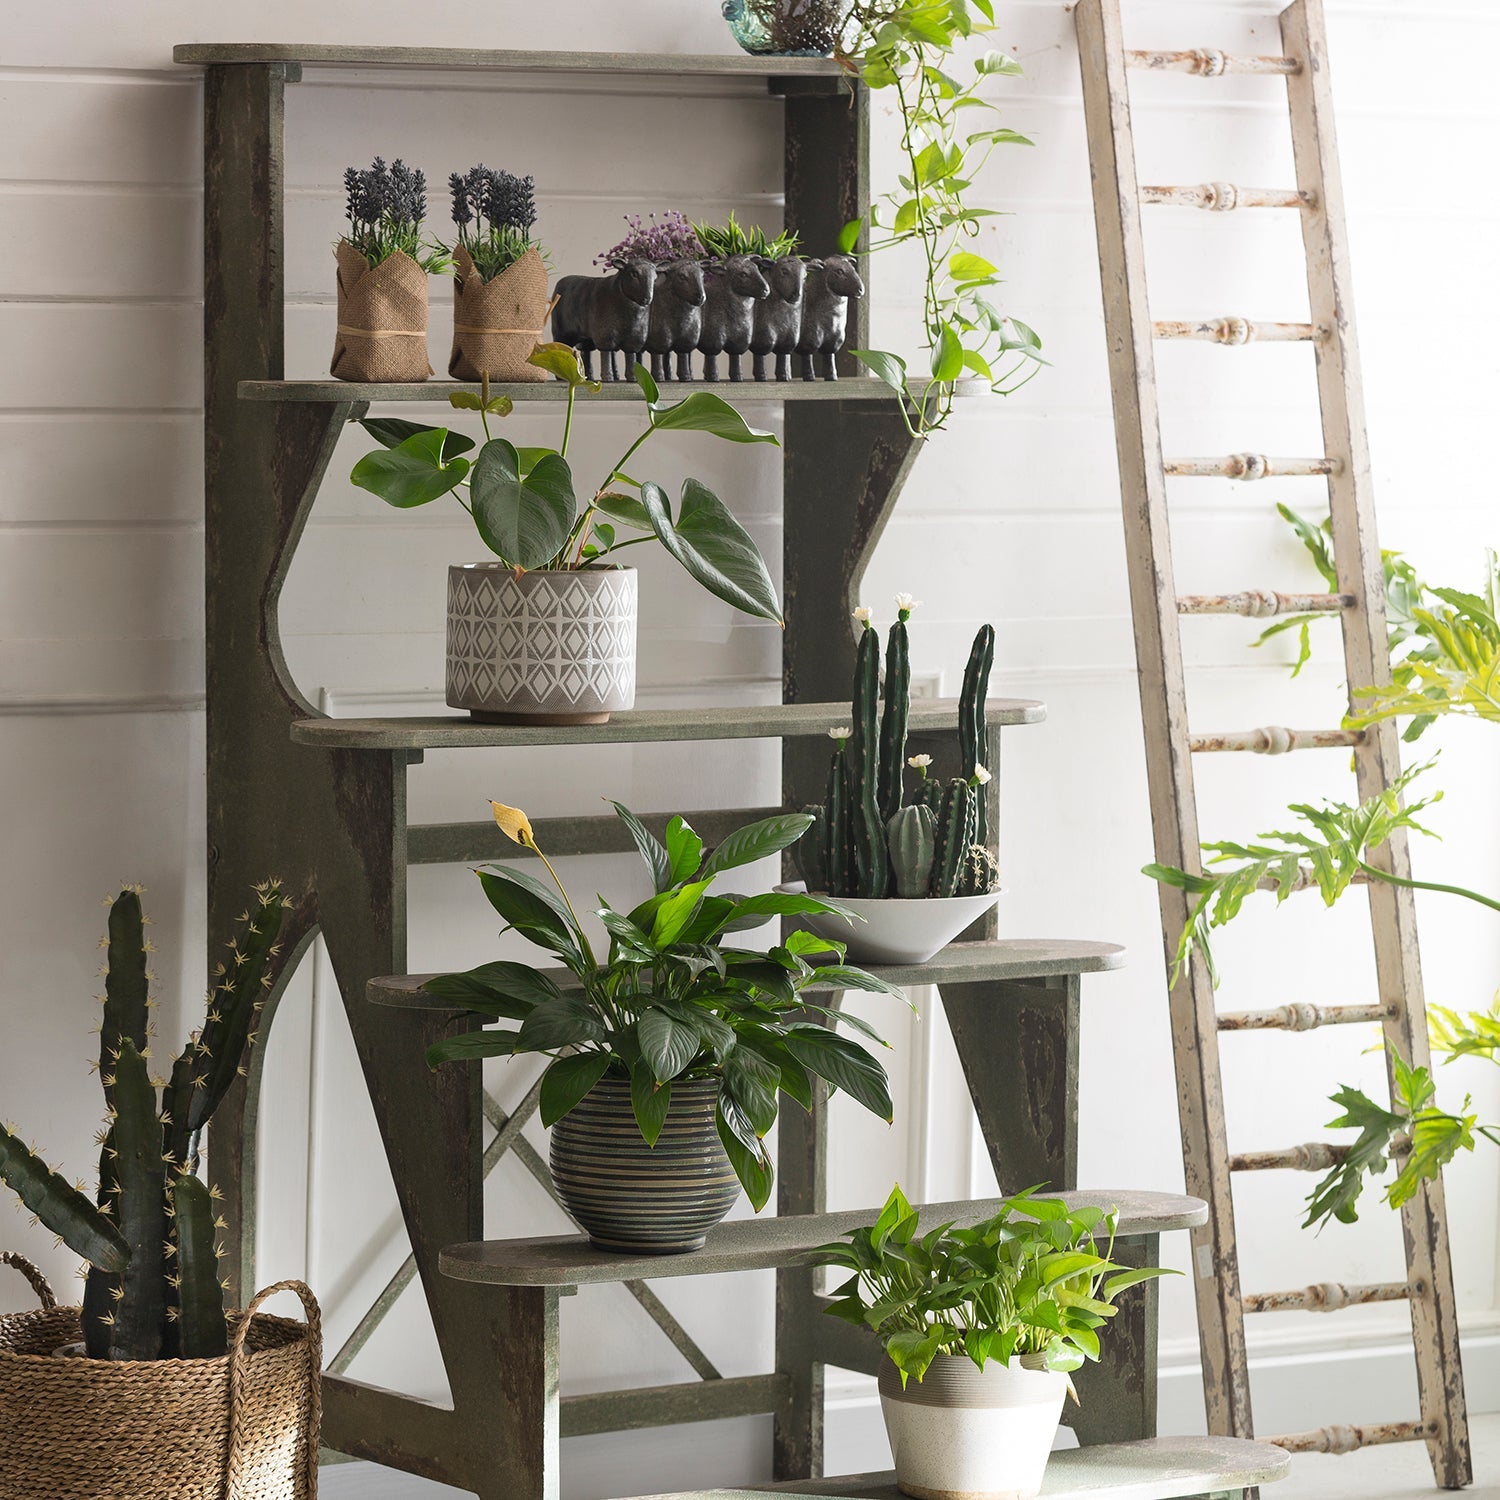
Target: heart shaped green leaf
[
  {"x": 713, "y": 547},
  {"x": 412, "y": 473},
  {"x": 561, "y": 360},
  {"x": 523, "y": 521},
  {"x": 705, "y": 412},
  {"x": 391, "y": 432}
]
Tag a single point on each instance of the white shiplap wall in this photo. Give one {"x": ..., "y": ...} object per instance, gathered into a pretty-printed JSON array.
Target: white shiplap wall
[{"x": 1013, "y": 516}]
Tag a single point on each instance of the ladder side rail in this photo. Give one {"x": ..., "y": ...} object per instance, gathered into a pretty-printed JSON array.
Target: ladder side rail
[
  {"x": 1163, "y": 700},
  {"x": 1367, "y": 663}
]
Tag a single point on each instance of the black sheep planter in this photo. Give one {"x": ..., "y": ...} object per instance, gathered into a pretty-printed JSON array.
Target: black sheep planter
[
  {"x": 831, "y": 282},
  {"x": 676, "y": 319},
  {"x": 777, "y": 321},
  {"x": 609, "y": 313},
  {"x": 733, "y": 285}
]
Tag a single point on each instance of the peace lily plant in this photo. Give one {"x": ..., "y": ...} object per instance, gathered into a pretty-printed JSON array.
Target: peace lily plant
[{"x": 671, "y": 1003}]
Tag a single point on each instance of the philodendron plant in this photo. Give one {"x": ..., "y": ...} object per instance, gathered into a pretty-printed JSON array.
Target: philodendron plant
[
  {"x": 153, "y": 1289},
  {"x": 671, "y": 1000},
  {"x": 1030, "y": 1282},
  {"x": 523, "y": 500},
  {"x": 874, "y": 837}
]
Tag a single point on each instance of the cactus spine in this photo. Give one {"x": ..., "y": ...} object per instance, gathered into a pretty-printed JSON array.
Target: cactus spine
[
  {"x": 973, "y": 735},
  {"x": 955, "y": 832},
  {"x": 911, "y": 836},
  {"x": 870, "y": 859},
  {"x": 980, "y": 875},
  {"x": 152, "y": 1273},
  {"x": 893, "y": 717}
]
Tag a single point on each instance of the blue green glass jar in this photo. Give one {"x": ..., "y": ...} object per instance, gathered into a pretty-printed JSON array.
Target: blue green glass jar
[{"x": 785, "y": 28}]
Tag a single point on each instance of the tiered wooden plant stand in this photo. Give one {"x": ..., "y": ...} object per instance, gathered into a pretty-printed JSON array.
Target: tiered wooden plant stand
[{"x": 322, "y": 802}]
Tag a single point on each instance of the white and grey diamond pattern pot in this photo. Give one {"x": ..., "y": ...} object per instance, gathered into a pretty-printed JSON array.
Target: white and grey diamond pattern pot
[{"x": 544, "y": 648}]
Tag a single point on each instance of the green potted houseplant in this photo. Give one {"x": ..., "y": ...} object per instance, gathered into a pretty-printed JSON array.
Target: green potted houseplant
[
  {"x": 546, "y": 632},
  {"x": 906, "y": 857},
  {"x": 670, "y": 1051},
  {"x": 981, "y": 1328},
  {"x": 148, "y": 1397}
]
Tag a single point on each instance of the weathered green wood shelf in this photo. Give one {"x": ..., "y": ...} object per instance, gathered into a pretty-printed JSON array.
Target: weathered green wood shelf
[
  {"x": 856, "y": 388},
  {"x": 760, "y": 1244},
  {"x": 640, "y": 726},
  {"x": 1154, "y": 1469},
  {"x": 958, "y": 963},
  {"x": 807, "y": 70}
]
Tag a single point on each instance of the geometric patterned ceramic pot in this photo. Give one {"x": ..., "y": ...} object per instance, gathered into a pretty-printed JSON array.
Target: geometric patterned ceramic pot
[
  {"x": 544, "y": 648},
  {"x": 640, "y": 1199}
]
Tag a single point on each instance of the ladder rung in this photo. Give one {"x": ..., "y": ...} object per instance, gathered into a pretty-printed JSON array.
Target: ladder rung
[
  {"x": 1248, "y": 466},
  {"x": 1349, "y": 1439},
  {"x": 1315, "y": 1156},
  {"x": 1328, "y": 1297},
  {"x": 1209, "y": 62},
  {"x": 1225, "y": 197},
  {"x": 1302, "y": 1017},
  {"x": 1275, "y": 740},
  {"x": 1237, "y": 331},
  {"x": 1260, "y": 603}
]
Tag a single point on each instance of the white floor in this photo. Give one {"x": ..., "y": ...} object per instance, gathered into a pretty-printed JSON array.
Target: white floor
[{"x": 1395, "y": 1473}]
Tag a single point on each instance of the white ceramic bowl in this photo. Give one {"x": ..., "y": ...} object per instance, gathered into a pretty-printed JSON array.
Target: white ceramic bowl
[{"x": 895, "y": 931}]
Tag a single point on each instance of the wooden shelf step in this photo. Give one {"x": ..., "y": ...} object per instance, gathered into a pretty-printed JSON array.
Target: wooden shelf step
[
  {"x": 864, "y": 389},
  {"x": 1153, "y": 1469},
  {"x": 641, "y": 726},
  {"x": 958, "y": 963},
  {"x": 760, "y": 1244}
]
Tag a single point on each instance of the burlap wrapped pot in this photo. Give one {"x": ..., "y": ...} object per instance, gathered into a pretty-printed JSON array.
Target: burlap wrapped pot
[
  {"x": 497, "y": 323},
  {"x": 244, "y": 1427},
  {"x": 382, "y": 328}
]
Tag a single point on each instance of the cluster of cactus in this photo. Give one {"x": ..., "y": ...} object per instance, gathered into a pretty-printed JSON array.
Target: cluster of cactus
[
  {"x": 871, "y": 836},
  {"x": 152, "y": 1287}
]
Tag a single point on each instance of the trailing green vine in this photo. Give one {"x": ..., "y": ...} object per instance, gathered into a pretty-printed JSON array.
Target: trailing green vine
[{"x": 905, "y": 46}]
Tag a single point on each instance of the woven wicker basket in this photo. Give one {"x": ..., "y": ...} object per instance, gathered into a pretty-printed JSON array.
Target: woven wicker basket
[{"x": 244, "y": 1427}]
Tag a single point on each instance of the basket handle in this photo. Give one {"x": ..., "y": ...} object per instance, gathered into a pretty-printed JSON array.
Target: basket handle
[
  {"x": 39, "y": 1283},
  {"x": 314, "y": 1319}
]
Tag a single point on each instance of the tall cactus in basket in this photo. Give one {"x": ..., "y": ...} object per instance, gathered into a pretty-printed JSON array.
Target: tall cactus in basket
[
  {"x": 869, "y": 839},
  {"x": 152, "y": 1287}
]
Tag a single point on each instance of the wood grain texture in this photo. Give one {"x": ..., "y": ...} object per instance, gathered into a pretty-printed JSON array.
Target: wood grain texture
[
  {"x": 1156, "y": 1469},
  {"x": 640, "y": 726},
  {"x": 759, "y": 1244},
  {"x": 854, "y": 388}
]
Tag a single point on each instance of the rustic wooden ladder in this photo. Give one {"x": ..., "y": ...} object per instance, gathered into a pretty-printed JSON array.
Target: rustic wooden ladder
[{"x": 1171, "y": 745}]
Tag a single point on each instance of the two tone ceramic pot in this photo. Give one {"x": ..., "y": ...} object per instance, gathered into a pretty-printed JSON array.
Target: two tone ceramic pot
[
  {"x": 639, "y": 1199},
  {"x": 962, "y": 1433},
  {"x": 542, "y": 648}
]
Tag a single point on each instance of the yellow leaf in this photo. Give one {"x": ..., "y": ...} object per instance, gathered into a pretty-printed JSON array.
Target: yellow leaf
[{"x": 514, "y": 824}]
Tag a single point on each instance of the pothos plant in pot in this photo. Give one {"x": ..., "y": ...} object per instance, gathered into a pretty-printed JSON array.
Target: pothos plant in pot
[
  {"x": 909, "y": 860},
  {"x": 546, "y": 633},
  {"x": 146, "y": 1403},
  {"x": 981, "y": 1328},
  {"x": 670, "y": 1052}
]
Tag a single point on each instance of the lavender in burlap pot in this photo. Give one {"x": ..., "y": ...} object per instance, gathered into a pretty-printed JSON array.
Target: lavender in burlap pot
[
  {"x": 382, "y": 327},
  {"x": 243, "y": 1427},
  {"x": 497, "y": 323}
]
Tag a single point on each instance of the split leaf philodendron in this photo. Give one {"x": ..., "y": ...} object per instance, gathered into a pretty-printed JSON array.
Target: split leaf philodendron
[
  {"x": 671, "y": 1002},
  {"x": 525, "y": 505},
  {"x": 152, "y": 1289},
  {"x": 871, "y": 837}
]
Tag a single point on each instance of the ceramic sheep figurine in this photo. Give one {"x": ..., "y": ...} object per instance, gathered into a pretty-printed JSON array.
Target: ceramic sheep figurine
[
  {"x": 608, "y": 313},
  {"x": 831, "y": 282},
  {"x": 676, "y": 318},
  {"x": 777, "y": 321},
  {"x": 734, "y": 285}
]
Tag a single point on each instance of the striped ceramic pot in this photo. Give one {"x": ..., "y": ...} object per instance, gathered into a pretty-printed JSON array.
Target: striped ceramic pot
[
  {"x": 549, "y": 647},
  {"x": 640, "y": 1199}
]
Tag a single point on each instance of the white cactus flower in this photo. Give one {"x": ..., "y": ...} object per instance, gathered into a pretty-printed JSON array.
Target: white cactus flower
[
  {"x": 981, "y": 776},
  {"x": 906, "y": 602},
  {"x": 863, "y": 614},
  {"x": 840, "y": 732},
  {"x": 919, "y": 762}
]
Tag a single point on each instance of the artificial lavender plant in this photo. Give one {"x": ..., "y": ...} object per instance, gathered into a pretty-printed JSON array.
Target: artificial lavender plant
[
  {"x": 385, "y": 207},
  {"x": 494, "y": 212}
]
